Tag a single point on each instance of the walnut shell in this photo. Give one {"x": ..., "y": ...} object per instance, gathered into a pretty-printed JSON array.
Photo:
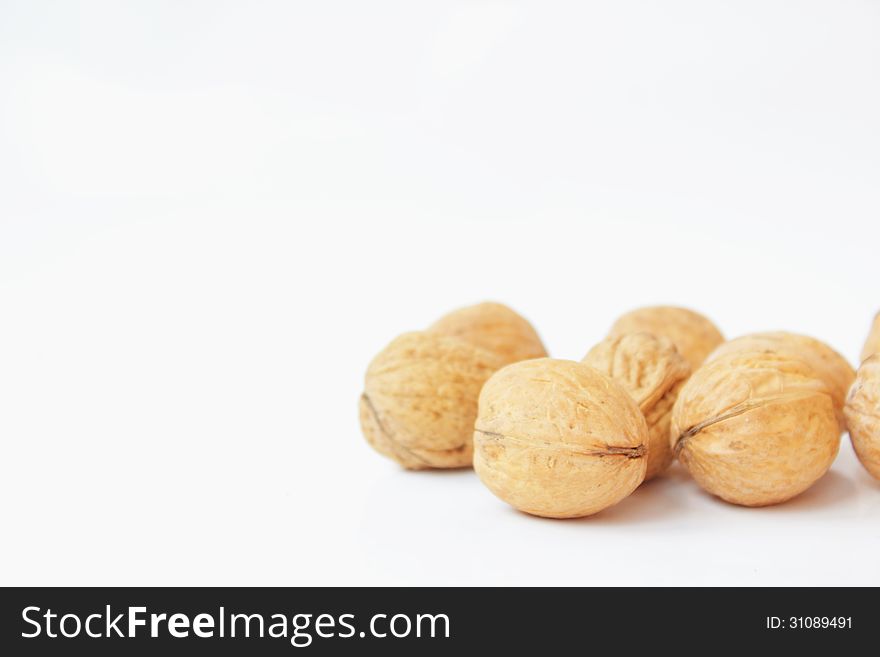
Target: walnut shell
[
  {"x": 755, "y": 428},
  {"x": 494, "y": 327},
  {"x": 694, "y": 336},
  {"x": 863, "y": 415},
  {"x": 872, "y": 344},
  {"x": 827, "y": 363},
  {"x": 558, "y": 439},
  {"x": 420, "y": 399},
  {"x": 653, "y": 372}
]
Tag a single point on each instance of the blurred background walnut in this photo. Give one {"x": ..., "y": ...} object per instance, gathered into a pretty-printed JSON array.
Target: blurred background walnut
[
  {"x": 558, "y": 439},
  {"x": 863, "y": 414},
  {"x": 694, "y": 335},
  {"x": 420, "y": 399},
  {"x": 495, "y": 327},
  {"x": 872, "y": 344},
  {"x": 652, "y": 371},
  {"x": 756, "y": 427}
]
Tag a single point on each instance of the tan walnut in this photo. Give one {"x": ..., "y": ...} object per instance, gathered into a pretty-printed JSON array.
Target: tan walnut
[
  {"x": 755, "y": 428},
  {"x": 828, "y": 364},
  {"x": 652, "y": 371},
  {"x": 694, "y": 335},
  {"x": 495, "y": 327},
  {"x": 420, "y": 399},
  {"x": 558, "y": 439},
  {"x": 863, "y": 414},
  {"x": 872, "y": 344}
]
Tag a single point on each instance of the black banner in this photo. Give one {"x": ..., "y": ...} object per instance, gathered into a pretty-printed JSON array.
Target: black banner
[{"x": 114, "y": 621}]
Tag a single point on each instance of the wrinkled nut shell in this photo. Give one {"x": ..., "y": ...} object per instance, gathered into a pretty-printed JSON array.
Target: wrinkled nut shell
[
  {"x": 420, "y": 399},
  {"x": 872, "y": 344},
  {"x": 755, "y": 429},
  {"x": 558, "y": 439},
  {"x": 494, "y": 327},
  {"x": 652, "y": 371},
  {"x": 829, "y": 365},
  {"x": 694, "y": 335},
  {"x": 863, "y": 415}
]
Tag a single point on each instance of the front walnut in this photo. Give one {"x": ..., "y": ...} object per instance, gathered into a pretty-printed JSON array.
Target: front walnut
[
  {"x": 653, "y": 372},
  {"x": 558, "y": 439}
]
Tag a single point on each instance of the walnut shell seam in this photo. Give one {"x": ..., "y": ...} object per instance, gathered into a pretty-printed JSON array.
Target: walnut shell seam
[
  {"x": 733, "y": 412},
  {"x": 399, "y": 445},
  {"x": 636, "y": 452}
]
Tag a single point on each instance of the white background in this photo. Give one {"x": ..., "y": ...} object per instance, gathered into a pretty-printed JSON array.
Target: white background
[{"x": 212, "y": 215}]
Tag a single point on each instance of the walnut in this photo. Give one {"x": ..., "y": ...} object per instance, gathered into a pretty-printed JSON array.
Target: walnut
[
  {"x": 827, "y": 363},
  {"x": 420, "y": 392},
  {"x": 693, "y": 335},
  {"x": 558, "y": 439},
  {"x": 420, "y": 399},
  {"x": 872, "y": 344},
  {"x": 495, "y": 327},
  {"x": 653, "y": 372},
  {"x": 863, "y": 414},
  {"x": 756, "y": 427}
]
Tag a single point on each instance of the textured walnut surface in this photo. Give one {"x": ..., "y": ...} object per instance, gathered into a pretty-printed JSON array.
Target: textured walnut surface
[
  {"x": 872, "y": 344},
  {"x": 863, "y": 414},
  {"x": 494, "y": 327},
  {"x": 652, "y": 371},
  {"x": 755, "y": 428},
  {"x": 694, "y": 335},
  {"x": 420, "y": 399},
  {"x": 829, "y": 365},
  {"x": 558, "y": 438}
]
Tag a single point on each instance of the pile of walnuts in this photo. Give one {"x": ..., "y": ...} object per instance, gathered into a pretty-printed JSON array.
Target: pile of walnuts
[{"x": 755, "y": 420}]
